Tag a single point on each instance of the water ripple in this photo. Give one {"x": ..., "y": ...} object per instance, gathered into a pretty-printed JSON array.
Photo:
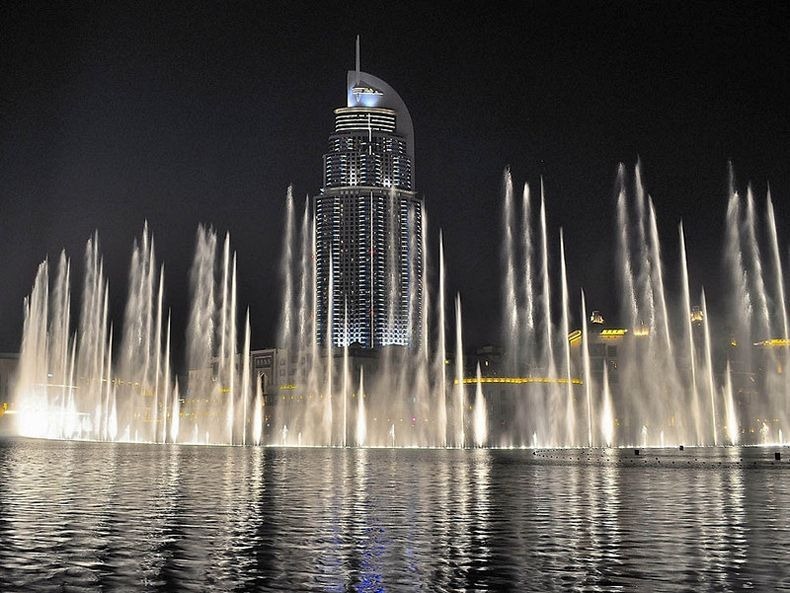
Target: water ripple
[{"x": 88, "y": 517}]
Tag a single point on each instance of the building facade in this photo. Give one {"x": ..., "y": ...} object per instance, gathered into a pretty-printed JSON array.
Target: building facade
[
  {"x": 368, "y": 223},
  {"x": 8, "y": 366}
]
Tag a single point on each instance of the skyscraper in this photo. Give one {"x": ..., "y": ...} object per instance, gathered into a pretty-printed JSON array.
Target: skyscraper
[{"x": 368, "y": 222}]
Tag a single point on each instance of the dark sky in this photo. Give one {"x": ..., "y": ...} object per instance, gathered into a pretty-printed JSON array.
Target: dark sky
[{"x": 111, "y": 115}]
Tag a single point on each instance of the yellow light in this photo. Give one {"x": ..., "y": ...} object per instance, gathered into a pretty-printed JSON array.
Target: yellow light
[
  {"x": 773, "y": 343},
  {"x": 519, "y": 380},
  {"x": 613, "y": 333}
]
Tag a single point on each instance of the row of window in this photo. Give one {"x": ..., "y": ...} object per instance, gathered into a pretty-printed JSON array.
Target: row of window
[{"x": 365, "y": 121}]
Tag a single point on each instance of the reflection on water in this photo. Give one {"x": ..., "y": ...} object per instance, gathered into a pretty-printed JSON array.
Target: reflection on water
[{"x": 110, "y": 517}]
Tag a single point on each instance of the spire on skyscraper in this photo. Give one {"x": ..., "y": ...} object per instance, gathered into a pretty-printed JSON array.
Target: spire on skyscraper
[{"x": 357, "y": 62}]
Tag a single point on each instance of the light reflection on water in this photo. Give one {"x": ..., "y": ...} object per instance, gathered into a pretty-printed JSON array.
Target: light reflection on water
[{"x": 108, "y": 517}]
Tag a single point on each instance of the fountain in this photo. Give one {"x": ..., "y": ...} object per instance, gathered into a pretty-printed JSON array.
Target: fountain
[
  {"x": 71, "y": 385},
  {"x": 361, "y": 428},
  {"x": 480, "y": 415},
  {"x": 668, "y": 374},
  {"x": 607, "y": 411}
]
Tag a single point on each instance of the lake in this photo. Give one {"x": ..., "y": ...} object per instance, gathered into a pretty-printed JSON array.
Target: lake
[{"x": 120, "y": 517}]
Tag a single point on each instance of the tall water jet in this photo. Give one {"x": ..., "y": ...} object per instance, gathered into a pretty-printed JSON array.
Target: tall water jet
[
  {"x": 92, "y": 298},
  {"x": 166, "y": 405},
  {"x": 61, "y": 348},
  {"x": 529, "y": 297},
  {"x": 361, "y": 428},
  {"x": 246, "y": 391},
  {"x": 327, "y": 415},
  {"x": 662, "y": 350},
  {"x": 509, "y": 304},
  {"x": 658, "y": 274},
  {"x": 646, "y": 362},
  {"x": 71, "y": 419},
  {"x": 108, "y": 399},
  {"x": 778, "y": 273},
  {"x": 459, "y": 375},
  {"x": 175, "y": 420},
  {"x": 624, "y": 251},
  {"x": 257, "y": 416},
  {"x": 423, "y": 387},
  {"x": 346, "y": 372},
  {"x": 480, "y": 415},
  {"x": 551, "y": 412},
  {"x": 32, "y": 374},
  {"x": 61, "y": 345},
  {"x": 214, "y": 369},
  {"x": 628, "y": 358},
  {"x": 645, "y": 292},
  {"x": 93, "y": 354},
  {"x": 544, "y": 254},
  {"x": 730, "y": 414},
  {"x": 285, "y": 331},
  {"x": 570, "y": 420},
  {"x": 709, "y": 369},
  {"x": 756, "y": 267},
  {"x": 226, "y": 317},
  {"x": 139, "y": 362},
  {"x": 607, "y": 410},
  {"x": 587, "y": 373},
  {"x": 112, "y": 420},
  {"x": 158, "y": 382},
  {"x": 692, "y": 358},
  {"x": 780, "y": 304},
  {"x": 303, "y": 347},
  {"x": 741, "y": 305},
  {"x": 201, "y": 338},
  {"x": 231, "y": 361},
  {"x": 755, "y": 345},
  {"x": 441, "y": 373}
]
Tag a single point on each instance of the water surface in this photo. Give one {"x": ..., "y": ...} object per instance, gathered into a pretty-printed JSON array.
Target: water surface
[{"x": 117, "y": 517}]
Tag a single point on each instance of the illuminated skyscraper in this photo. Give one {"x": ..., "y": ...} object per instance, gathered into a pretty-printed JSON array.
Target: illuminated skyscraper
[{"x": 368, "y": 222}]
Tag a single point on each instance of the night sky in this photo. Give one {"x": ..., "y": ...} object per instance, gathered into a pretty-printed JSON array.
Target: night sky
[{"x": 111, "y": 115}]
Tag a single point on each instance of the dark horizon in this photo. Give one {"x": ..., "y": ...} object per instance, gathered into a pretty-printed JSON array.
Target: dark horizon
[{"x": 187, "y": 115}]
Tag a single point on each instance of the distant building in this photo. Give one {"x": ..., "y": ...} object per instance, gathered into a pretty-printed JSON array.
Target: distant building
[
  {"x": 368, "y": 222},
  {"x": 8, "y": 366},
  {"x": 755, "y": 369},
  {"x": 274, "y": 371}
]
